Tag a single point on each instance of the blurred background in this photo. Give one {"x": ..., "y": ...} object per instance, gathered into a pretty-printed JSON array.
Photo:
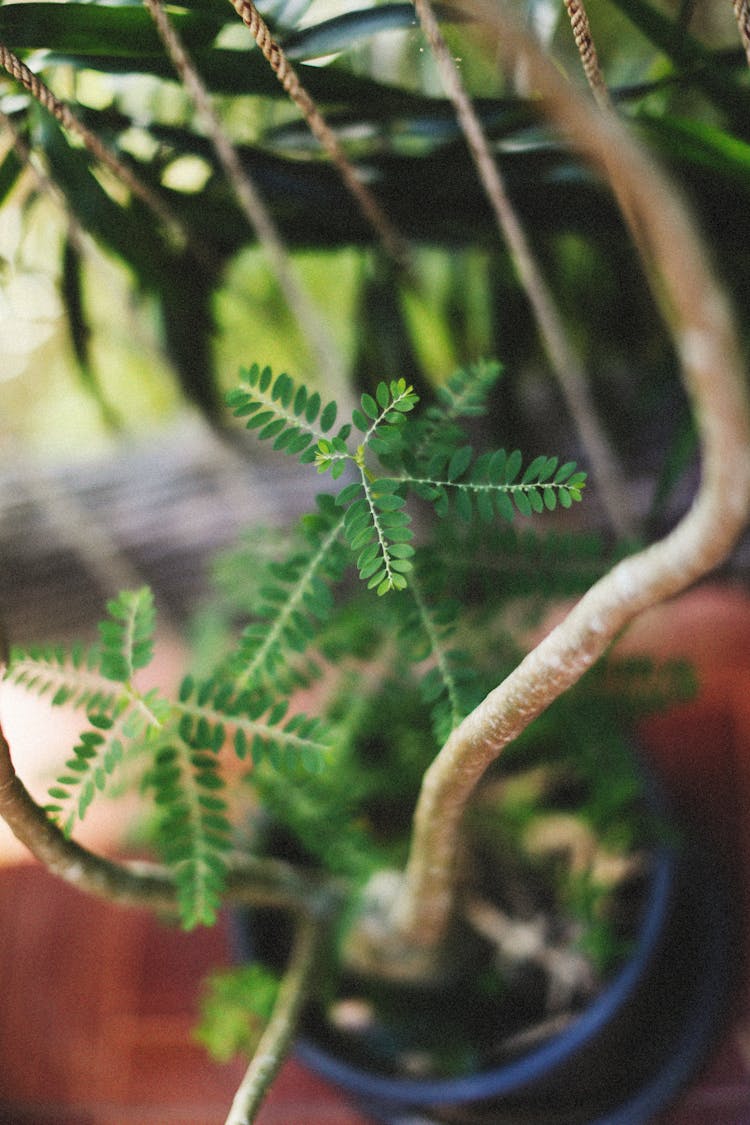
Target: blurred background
[{"x": 120, "y": 333}]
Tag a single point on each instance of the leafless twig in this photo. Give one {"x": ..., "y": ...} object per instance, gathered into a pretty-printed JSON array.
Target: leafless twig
[
  {"x": 328, "y": 358},
  {"x": 281, "y": 1027},
  {"x": 566, "y": 365}
]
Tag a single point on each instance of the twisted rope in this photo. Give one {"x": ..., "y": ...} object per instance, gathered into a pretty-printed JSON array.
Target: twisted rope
[
  {"x": 392, "y": 240},
  {"x": 584, "y": 41},
  {"x": 67, "y": 118},
  {"x": 251, "y": 203}
]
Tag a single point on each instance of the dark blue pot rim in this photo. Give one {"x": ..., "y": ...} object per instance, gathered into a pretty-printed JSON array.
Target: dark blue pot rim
[
  {"x": 524, "y": 1071},
  {"x": 714, "y": 972},
  {"x": 714, "y": 963}
]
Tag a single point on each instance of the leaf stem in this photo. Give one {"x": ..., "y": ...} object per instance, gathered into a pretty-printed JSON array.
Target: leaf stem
[
  {"x": 437, "y": 649},
  {"x": 375, "y": 518},
  {"x": 251, "y": 726},
  {"x": 282, "y": 1026},
  {"x": 275, "y": 633}
]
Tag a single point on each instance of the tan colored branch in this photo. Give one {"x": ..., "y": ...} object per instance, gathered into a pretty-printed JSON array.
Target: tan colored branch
[
  {"x": 566, "y": 365},
  {"x": 701, "y": 325},
  {"x": 282, "y": 1026},
  {"x": 141, "y": 886},
  {"x": 324, "y": 348},
  {"x": 260, "y": 882},
  {"x": 391, "y": 239},
  {"x": 579, "y": 22},
  {"x": 67, "y": 118}
]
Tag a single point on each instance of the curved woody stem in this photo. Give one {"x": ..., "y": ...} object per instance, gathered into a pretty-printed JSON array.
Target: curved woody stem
[
  {"x": 701, "y": 325},
  {"x": 250, "y": 881}
]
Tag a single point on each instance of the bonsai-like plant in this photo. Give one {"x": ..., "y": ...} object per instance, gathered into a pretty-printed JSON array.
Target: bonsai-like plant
[{"x": 392, "y": 455}]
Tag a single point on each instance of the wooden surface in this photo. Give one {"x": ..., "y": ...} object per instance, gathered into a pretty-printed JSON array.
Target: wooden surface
[
  {"x": 98, "y": 1002},
  {"x": 154, "y": 511},
  {"x": 97, "y": 1009},
  {"x": 98, "y": 1032}
]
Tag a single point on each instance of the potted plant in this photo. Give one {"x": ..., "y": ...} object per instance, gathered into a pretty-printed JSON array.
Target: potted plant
[{"x": 367, "y": 892}]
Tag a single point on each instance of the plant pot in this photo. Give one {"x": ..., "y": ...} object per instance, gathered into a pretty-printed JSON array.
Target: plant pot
[{"x": 626, "y": 1055}]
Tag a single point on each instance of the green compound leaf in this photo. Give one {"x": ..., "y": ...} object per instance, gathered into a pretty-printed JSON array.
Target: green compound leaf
[
  {"x": 194, "y": 832},
  {"x": 69, "y": 679},
  {"x": 294, "y": 601},
  {"x": 376, "y": 526},
  {"x": 214, "y": 712},
  {"x": 449, "y": 684},
  {"x": 491, "y": 483},
  {"x": 127, "y": 637},
  {"x": 281, "y": 411},
  {"x": 96, "y": 757}
]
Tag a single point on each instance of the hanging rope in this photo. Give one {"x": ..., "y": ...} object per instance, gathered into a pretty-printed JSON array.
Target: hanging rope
[
  {"x": 391, "y": 239},
  {"x": 67, "y": 118},
  {"x": 579, "y": 21}
]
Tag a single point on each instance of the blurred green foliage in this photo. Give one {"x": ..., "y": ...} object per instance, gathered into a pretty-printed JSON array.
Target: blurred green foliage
[{"x": 683, "y": 83}]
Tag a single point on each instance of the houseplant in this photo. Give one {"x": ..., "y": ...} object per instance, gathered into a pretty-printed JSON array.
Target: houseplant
[{"x": 401, "y": 932}]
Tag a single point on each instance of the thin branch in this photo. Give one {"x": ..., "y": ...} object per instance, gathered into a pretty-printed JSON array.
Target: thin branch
[
  {"x": 282, "y": 1026},
  {"x": 701, "y": 324},
  {"x": 72, "y": 863},
  {"x": 251, "y": 202},
  {"x": 742, "y": 15},
  {"x": 65, "y": 116},
  {"x": 566, "y": 365},
  {"x": 392, "y": 240},
  {"x": 579, "y": 22},
  {"x": 251, "y": 881}
]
